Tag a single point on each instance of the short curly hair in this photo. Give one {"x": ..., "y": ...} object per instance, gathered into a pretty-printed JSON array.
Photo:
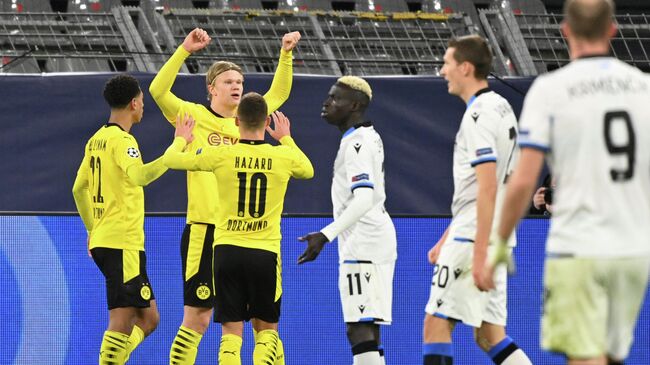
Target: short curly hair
[
  {"x": 356, "y": 83},
  {"x": 120, "y": 90}
]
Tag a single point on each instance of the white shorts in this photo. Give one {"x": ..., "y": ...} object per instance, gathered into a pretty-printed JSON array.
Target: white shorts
[
  {"x": 366, "y": 291},
  {"x": 454, "y": 295},
  {"x": 591, "y": 305}
]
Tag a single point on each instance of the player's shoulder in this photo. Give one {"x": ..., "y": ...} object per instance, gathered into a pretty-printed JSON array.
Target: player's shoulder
[
  {"x": 489, "y": 106},
  {"x": 360, "y": 136}
]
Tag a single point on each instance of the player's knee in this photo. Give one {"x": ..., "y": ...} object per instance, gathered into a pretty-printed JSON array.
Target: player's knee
[
  {"x": 481, "y": 340},
  {"x": 151, "y": 322},
  {"x": 360, "y": 332}
]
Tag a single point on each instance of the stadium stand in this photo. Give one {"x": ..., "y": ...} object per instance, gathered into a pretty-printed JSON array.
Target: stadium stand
[{"x": 364, "y": 37}]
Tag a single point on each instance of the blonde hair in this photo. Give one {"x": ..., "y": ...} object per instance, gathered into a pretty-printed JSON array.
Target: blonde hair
[
  {"x": 217, "y": 69},
  {"x": 356, "y": 83}
]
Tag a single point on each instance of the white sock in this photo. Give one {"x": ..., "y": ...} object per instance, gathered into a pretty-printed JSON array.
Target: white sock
[
  {"x": 517, "y": 358},
  {"x": 507, "y": 352},
  {"x": 368, "y": 358}
]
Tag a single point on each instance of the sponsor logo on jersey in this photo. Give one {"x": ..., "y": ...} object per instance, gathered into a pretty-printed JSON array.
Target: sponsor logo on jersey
[
  {"x": 357, "y": 147},
  {"x": 203, "y": 292},
  {"x": 215, "y": 139},
  {"x": 475, "y": 116},
  {"x": 483, "y": 151},
  {"x": 360, "y": 177},
  {"x": 133, "y": 152},
  {"x": 362, "y": 308},
  {"x": 457, "y": 273}
]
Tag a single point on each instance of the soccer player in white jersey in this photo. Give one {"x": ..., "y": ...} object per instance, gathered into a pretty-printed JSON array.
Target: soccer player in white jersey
[
  {"x": 484, "y": 152},
  {"x": 591, "y": 120},
  {"x": 367, "y": 240}
]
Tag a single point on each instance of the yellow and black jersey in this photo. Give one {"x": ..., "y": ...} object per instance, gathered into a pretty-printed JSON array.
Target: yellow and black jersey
[
  {"x": 252, "y": 178},
  {"x": 211, "y": 129},
  {"x": 108, "y": 189}
]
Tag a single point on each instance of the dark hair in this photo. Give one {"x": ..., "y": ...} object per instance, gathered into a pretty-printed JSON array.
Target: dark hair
[
  {"x": 589, "y": 20},
  {"x": 475, "y": 50},
  {"x": 252, "y": 110},
  {"x": 120, "y": 90}
]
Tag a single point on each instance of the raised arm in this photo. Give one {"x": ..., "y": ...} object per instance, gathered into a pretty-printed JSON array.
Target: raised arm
[
  {"x": 302, "y": 167},
  {"x": 283, "y": 78},
  {"x": 161, "y": 85},
  {"x": 205, "y": 159}
]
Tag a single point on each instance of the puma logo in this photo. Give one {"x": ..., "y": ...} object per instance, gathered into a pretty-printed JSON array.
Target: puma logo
[{"x": 233, "y": 353}]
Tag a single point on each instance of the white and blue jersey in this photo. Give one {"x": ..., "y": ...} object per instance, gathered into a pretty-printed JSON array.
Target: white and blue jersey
[
  {"x": 592, "y": 119},
  {"x": 487, "y": 133},
  {"x": 359, "y": 164}
]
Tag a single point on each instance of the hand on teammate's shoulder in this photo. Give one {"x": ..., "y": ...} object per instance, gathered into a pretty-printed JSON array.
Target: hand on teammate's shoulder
[{"x": 281, "y": 126}]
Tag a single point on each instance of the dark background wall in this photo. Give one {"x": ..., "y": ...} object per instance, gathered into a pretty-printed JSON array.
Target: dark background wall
[{"x": 46, "y": 120}]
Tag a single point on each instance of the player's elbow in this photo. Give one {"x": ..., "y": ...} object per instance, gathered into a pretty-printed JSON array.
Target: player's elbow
[
  {"x": 155, "y": 90},
  {"x": 168, "y": 160},
  {"x": 309, "y": 173},
  {"x": 78, "y": 188}
]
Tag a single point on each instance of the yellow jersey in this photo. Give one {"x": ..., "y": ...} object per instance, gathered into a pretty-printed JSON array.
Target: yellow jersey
[
  {"x": 252, "y": 178},
  {"x": 108, "y": 189},
  {"x": 211, "y": 129}
]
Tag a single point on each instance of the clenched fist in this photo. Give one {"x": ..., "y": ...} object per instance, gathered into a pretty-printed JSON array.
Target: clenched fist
[
  {"x": 196, "y": 40},
  {"x": 290, "y": 40}
]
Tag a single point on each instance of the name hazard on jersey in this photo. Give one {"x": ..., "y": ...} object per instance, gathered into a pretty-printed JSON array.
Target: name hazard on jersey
[
  {"x": 256, "y": 163},
  {"x": 239, "y": 225}
]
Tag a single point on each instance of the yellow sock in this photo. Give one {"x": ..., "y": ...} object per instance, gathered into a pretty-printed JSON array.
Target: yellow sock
[
  {"x": 113, "y": 350},
  {"x": 185, "y": 347},
  {"x": 279, "y": 360},
  {"x": 229, "y": 350},
  {"x": 136, "y": 338},
  {"x": 279, "y": 351},
  {"x": 266, "y": 347}
]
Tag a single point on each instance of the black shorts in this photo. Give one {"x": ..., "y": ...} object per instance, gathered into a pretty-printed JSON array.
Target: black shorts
[
  {"x": 118, "y": 265},
  {"x": 196, "y": 254},
  {"x": 247, "y": 284}
]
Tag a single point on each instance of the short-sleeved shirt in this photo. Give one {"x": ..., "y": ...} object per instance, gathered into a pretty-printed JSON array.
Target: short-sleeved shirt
[
  {"x": 592, "y": 119},
  {"x": 359, "y": 164},
  {"x": 487, "y": 134},
  {"x": 117, "y": 203}
]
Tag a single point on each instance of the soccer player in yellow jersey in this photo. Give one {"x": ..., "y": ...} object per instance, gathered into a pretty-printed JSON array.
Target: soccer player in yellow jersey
[
  {"x": 252, "y": 178},
  {"x": 109, "y": 197},
  {"x": 215, "y": 126}
]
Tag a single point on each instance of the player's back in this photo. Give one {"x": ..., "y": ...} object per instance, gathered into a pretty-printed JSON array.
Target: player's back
[
  {"x": 117, "y": 203},
  {"x": 252, "y": 180},
  {"x": 598, "y": 128}
]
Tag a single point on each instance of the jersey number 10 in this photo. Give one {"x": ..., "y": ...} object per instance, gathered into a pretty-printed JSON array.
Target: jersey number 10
[{"x": 257, "y": 194}]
